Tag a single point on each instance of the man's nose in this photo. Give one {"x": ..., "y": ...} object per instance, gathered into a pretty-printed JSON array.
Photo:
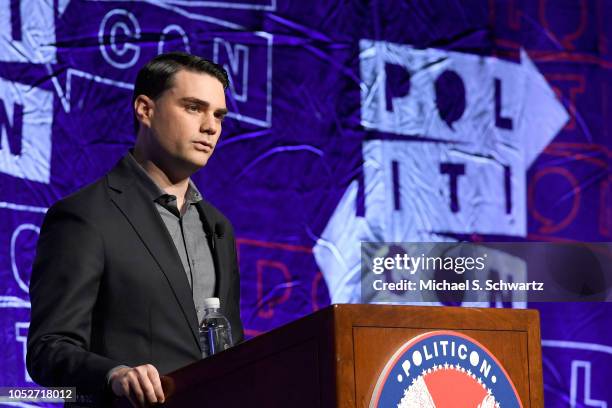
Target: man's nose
[{"x": 209, "y": 124}]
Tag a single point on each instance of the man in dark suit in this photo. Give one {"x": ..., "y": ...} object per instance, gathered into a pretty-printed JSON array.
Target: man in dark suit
[{"x": 123, "y": 266}]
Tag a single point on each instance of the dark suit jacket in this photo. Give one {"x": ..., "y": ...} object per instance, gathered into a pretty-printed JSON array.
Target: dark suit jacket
[{"x": 108, "y": 286}]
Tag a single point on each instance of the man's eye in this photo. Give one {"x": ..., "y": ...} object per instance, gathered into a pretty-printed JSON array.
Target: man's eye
[{"x": 193, "y": 108}]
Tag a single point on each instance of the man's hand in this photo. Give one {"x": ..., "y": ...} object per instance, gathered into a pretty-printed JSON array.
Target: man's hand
[{"x": 141, "y": 385}]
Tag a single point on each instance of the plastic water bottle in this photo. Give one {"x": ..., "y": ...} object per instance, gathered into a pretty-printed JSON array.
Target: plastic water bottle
[{"x": 215, "y": 330}]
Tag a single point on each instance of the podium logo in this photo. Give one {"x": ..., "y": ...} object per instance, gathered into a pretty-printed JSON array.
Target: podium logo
[{"x": 444, "y": 369}]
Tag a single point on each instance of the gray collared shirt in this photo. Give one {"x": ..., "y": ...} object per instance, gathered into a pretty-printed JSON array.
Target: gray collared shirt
[{"x": 188, "y": 235}]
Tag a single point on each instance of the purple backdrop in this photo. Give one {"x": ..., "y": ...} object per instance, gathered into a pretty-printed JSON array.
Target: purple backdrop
[{"x": 379, "y": 120}]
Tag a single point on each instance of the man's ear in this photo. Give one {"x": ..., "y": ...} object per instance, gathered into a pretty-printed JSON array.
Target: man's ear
[{"x": 143, "y": 109}]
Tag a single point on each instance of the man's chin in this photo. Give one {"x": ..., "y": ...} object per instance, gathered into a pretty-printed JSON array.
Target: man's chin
[{"x": 198, "y": 162}]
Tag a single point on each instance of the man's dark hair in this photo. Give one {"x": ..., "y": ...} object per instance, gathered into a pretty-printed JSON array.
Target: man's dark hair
[{"x": 157, "y": 75}]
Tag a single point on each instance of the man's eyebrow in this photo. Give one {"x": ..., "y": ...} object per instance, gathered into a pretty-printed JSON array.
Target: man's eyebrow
[
  {"x": 197, "y": 101},
  {"x": 191, "y": 99}
]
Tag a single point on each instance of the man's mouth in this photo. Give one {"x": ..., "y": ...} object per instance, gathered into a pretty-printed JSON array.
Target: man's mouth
[{"x": 203, "y": 146}]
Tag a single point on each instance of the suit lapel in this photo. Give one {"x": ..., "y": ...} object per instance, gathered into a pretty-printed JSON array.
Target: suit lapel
[{"x": 146, "y": 221}]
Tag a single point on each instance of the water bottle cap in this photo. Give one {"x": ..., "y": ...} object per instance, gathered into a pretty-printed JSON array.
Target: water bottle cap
[{"x": 212, "y": 303}]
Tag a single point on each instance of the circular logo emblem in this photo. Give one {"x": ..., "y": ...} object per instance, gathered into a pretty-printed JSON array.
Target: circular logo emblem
[{"x": 444, "y": 369}]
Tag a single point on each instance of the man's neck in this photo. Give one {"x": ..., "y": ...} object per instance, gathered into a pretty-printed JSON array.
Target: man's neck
[{"x": 174, "y": 186}]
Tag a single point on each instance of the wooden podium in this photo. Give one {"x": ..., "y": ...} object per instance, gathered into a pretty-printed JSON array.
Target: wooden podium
[{"x": 333, "y": 357}]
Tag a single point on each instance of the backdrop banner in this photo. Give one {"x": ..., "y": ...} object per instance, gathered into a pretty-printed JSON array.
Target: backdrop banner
[{"x": 378, "y": 121}]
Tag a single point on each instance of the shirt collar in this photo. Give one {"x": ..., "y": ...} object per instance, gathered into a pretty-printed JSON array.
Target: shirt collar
[
  {"x": 192, "y": 195},
  {"x": 153, "y": 190}
]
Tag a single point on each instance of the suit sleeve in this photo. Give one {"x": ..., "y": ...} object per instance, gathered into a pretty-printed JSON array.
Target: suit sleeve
[{"x": 64, "y": 286}]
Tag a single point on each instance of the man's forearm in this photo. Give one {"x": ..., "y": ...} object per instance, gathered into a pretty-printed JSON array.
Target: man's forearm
[{"x": 55, "y": 360}]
